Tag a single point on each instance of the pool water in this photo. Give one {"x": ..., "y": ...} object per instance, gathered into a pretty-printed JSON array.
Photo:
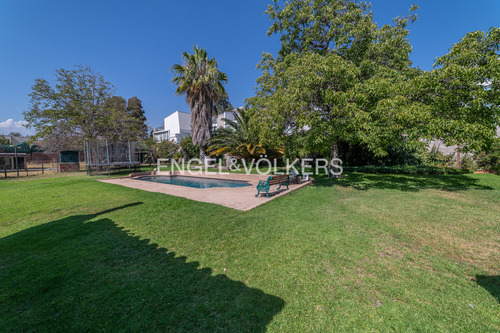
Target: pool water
[{"x": 196, "y": 182}]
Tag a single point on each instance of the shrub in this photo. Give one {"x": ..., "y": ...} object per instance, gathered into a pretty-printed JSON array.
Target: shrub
[
  {"x": 188, "y": 149},
  {"x": 490, "y": 160},
  {"x": 359, "y": 155},
  {"x": 408, "y": 169},
  {"x": 436, "y": 158},
  {"x": 166, "y": 149},
  {"x": 467, "y": 162}
]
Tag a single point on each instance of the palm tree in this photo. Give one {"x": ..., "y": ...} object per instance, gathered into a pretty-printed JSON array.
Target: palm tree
[
  {"x": 237, "y": 139},
  {"x": 201, "y": 81}
]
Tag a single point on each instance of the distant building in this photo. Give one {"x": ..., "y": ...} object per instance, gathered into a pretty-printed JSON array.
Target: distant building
[
  {"x": 449, "y": 150},
  {"x": 175, "y": 127},
  {"x": 15, "y": 140},
  {"x": 178, "y": 125},
  {"x": 220, "y": 123}
]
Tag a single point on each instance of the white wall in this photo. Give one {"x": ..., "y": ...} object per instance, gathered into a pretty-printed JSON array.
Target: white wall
[
  {"x": 171, "y": 123},
  {"x": 178, "y": 124},
  {"x": 228, "y": 115}
]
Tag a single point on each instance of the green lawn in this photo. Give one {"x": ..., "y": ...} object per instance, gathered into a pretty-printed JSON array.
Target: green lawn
[{"x": 363, "y": 253}]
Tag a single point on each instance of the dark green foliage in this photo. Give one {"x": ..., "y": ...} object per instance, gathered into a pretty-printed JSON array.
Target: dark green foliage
[
  {"x": 407, "y": 169},
  {"x": 4, "y": 140},
  {"x": 490, "y": 160},
  {"x": 189, "y": 149},
  {"x": 138, "y": 118},
  {"x": 238, "y": 139},
  {"x": 166, "y": 149},
  {"x": 199, "y": 79},
  {"x": 467, "y": 163},
  {"x": 338, "y": 77},
  {"x": 463, "y": 92},
  {"x": 224, "y": 105},
  {"x": 436, "y": 158},
  {"x": 71, "y": 110},
  {"x": 81, "y": 106},
  {"x": 359, "y": 155}
]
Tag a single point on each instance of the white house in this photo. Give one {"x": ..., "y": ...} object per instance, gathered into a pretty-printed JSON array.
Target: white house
[
  {"x": 220, "y": 123},
  {"x": 175, "y": 127},
  {"x": 178, "y": 125}
]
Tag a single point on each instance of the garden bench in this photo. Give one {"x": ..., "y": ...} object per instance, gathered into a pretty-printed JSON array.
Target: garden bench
[{"x": 265, "y": 185}]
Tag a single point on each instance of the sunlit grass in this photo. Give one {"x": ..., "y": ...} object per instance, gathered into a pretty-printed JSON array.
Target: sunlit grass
[{"x": 365, "y": 252}]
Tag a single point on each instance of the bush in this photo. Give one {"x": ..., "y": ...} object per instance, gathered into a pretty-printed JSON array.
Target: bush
[
  {"x": 436, "y": 158},
  {"x": 166, "y": 149},
  {"x": 408, "y": 169},
  {"x": 188, "y": 149},
  {"x": 468, "y": 163},
  {"x": 359, "y": 155},
  {"x": 490, "y": 160}
]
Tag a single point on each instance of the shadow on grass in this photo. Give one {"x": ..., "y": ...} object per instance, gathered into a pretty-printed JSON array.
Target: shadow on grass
[
  {"x": 407, "y": 183},
  {"x": 84, "y": 273},
  {"x": 490, "y": 283}
]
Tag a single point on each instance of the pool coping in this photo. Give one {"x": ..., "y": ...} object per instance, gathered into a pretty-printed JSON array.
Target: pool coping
[{"x": 240, "y": 198}]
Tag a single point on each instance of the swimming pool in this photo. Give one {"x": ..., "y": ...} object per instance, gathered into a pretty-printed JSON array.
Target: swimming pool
[{"x": 196, "y": 182}]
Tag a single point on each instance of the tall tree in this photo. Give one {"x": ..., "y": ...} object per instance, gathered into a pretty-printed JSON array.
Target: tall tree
[
  {"x": 117, "y": 121},
  {"x": 199, "y": 78},
  {"x": 71, "y": 110},
  {"x": 81, "y": 106},
  {"x": 463, "y": 92},
  {"x": 138, "y": 118},
  {"x": 238, "y": 139},
  {"x": 338, "y": 77},
  {"x": 224, "y": 105}
]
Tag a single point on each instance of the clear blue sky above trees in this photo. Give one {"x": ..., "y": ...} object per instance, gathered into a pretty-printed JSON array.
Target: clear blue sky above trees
[{"x": 135, "y": 43}]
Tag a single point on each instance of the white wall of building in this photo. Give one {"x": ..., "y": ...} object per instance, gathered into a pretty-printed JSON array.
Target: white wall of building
[
  {"x": 175, "y": 127},
  {"x": 228, "y": 115}
]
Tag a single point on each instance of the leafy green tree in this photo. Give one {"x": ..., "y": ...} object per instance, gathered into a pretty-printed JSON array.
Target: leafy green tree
[
  {"x": 4, "y": 140},
  {"x": 338, "y": 77},
  {"x": 81, "y": 106},
  {"x": 320, "y": 26},
  {"x": 188, "y": 148},
  {"x": 238, "y": 139},
  {"x": 490, "y": 160},
  {"x": 117, "y": 122},
  {"x": 166, "y": 149},
  {"x": 199, "y": 78},
  {"x": 224, "y": 105},
  {"x": 15, "y": 134},
  {"x": 71, "y": 110},
  {"x": 463, "y": 92},
  {"x": 126, "y": 121},
  {"x": 138, "y": 119}
]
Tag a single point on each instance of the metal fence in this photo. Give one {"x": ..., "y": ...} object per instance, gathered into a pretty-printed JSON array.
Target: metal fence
[
  {"x": 29, "y": 169},
  {"x": 102, "y": 156}
]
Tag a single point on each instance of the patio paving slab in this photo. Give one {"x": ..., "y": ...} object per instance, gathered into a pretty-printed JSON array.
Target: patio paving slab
[{"x": 241, "y": 198}]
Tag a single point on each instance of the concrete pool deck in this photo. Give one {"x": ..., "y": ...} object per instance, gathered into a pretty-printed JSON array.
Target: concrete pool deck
[{"x": 241, "y": 198}]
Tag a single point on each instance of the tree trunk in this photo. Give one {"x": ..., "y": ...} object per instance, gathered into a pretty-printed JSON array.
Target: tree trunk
[
  {"x": 334, "y": 153},
  {"x": 203, "y": 155}
]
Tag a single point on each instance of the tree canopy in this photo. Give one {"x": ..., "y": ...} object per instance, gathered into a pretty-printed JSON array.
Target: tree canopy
[
  {"x": 79, "y": 106},
  {"x": 463, "y": 92},
  {"x": 338, "y": 77},
  {"x": 238, "y": 139},
  {"x": 199, "y": 78}
]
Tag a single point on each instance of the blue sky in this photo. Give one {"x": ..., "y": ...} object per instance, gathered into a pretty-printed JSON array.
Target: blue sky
[{"x": 134, "y": 43}]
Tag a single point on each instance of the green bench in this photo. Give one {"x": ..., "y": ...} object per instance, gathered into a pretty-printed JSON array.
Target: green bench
[{"x": 265, "y": 185}]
